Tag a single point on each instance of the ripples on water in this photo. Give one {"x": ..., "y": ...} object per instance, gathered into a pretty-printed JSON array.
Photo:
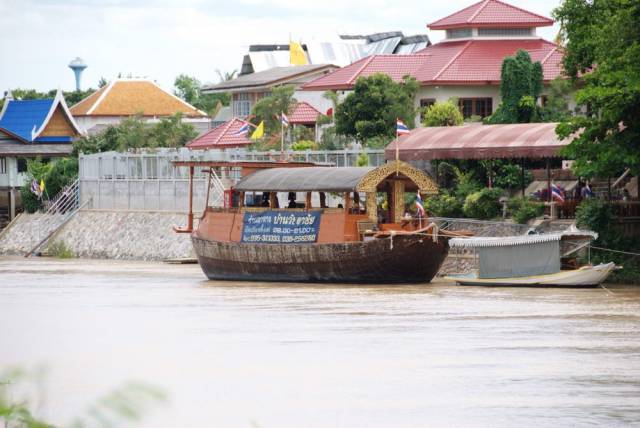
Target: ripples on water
[{"x": 281, "y": 355}]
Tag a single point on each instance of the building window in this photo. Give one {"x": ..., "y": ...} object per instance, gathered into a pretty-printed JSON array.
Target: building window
[
  {"x": 22, "y": 165},
  {"x": 482, "y": 107},
  {"x": 241, "y": 105},
  {"x": 3, "y": 165},
  {"x": 458, "y": 33},
  {"x": 504, "y": 32}
]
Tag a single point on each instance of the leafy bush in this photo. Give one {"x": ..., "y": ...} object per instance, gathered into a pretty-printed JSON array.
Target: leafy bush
[
  {"x": 444, "y": 206},
  {"x": 597, "y": 215},
  {"x": 467, "y": 185},
  {"x": 59, "y": 249},
  {"x": 523, "y": 210},
  {"x": 304, "y": 145},
  {"x": 483, "y": 204},
  {"x": 443, "y": 114},
  {"x": 301, "y": 133},
  {"x": 378, "y": 142},
  {"x": 330, "y": 140},
  {"x": 363, "y": 159},
  {"x": 509, "y": 176}
]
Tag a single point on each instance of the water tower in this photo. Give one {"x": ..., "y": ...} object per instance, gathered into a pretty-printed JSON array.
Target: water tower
[{"x": 78, "y": 66}]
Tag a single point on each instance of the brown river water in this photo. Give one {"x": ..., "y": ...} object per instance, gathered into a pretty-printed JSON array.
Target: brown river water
[{"x": 291, "y": 355}]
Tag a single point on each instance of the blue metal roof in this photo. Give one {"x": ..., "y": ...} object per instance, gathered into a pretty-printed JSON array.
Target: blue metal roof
[
  {"x": 61, "y": 139},
  {"x": 22, "y": 116}
]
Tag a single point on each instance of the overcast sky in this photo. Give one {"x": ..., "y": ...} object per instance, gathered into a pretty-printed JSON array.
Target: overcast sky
[{"x": 163, "y": 38}]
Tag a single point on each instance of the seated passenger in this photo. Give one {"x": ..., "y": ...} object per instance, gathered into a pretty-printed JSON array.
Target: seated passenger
[{"x": 292, "y": 200}]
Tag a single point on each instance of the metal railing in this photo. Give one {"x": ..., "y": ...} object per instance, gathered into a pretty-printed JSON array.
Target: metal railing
[{"x": 57, "y": 212}]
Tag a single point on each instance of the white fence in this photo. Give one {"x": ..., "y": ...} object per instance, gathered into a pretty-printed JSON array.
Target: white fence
[{"x": 148, "y": 181}]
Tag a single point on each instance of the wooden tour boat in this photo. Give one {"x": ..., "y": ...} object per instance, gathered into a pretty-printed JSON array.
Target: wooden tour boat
[{"x": 254, "y": 239}]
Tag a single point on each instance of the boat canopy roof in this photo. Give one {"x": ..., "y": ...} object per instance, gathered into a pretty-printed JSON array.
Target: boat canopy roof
[
  {"x": 343, "y": 179},
  {"x": 520, "y": 240}
]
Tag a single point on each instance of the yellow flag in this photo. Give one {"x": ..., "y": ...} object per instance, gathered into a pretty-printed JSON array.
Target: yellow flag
[
  {"x": 296, "y": 54},
  {"x": 42, "y": 186},
  {"x": 259, "y": 132}
]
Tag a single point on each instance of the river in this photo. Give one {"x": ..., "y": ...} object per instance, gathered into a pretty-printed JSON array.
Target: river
[{"x": 284, "y": 355}]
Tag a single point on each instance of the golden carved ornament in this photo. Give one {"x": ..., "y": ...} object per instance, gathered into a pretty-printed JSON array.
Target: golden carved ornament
[{"x": 370, "y": 182}]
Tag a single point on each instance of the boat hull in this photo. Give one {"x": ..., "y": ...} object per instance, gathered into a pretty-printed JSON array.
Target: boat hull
[
  {"x": 588, "y": 276},
  {"x": 399, "y": 259}
]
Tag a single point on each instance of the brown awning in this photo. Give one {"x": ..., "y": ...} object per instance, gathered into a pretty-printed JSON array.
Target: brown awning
[{"x": 522, "y": 140}]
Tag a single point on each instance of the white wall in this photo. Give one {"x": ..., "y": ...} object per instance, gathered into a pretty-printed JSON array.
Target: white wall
[
  {"x": 11, "y": 178},
  {"x": 315, "y": 98},
  {"x": 88, "y": 122}
]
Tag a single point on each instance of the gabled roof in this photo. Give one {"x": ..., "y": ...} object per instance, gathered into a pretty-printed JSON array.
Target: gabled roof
[
  {"x": 26, "y": 120},
  {"x": 490, "y": 13},
  {"x": 480, "y": 61},
  {"x": 472, "y": 62},
  {"x": 222, "y": 136},
  {"x": 128, "y": 97},
  {"x": 271, "y": 77},
  {"x": 303, "y": 113},
  {"x": 395, "y": 66}
]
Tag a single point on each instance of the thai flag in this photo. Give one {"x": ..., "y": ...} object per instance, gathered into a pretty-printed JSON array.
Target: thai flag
[
  {"x": 284, "y": 119},
  {"x": 557, "y": 193},
  {"x": 401, "y": 128},
  {"x": 244, "y": 129},
  {"x": 35, "y": 188},
  {"x": 419, "y": 206}
]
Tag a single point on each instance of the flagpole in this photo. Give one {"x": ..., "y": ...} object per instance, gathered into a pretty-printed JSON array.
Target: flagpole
[
  {"x": 281, "y": 138},
  {"x": 397, "y": 150}
]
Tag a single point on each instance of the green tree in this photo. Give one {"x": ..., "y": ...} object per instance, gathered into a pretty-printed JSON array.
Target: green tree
[
  {"x": 227, "y": 75},
  {"x": 556, "y": 108},
  {"x": 271, "y": 107},
  {"x": 520, "y": 87},
  {"x": 56, "y": 174},
  {"x": 189, "y": 89},
  {"x": 374, "y": 105},
  {"x": 71, "y": 97},
  {"x": 603, "y": 50},
  {"x": 171, "y": 132},
  {"x": 443, "y": 114},
  {"x": 135, "y": 133}
]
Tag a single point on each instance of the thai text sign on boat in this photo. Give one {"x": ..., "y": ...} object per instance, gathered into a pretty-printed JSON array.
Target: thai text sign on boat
[{"x": 277, "y": 227}]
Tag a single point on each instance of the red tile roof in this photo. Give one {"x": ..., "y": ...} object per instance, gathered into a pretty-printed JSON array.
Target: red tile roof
[
  {"x": 395, "y": 66},
  {"x": 491, "y": 13},
  {"x": 221, "y": 137},
  {"x": 480, "y": 61},
  {"x": 531, "y": 140},
  {"x": 303, "y": 113},
  {"x": 473, "y": 62}
]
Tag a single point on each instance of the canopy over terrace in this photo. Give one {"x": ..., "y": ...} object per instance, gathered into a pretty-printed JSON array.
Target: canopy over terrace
[{"x": 515, "y": 141}]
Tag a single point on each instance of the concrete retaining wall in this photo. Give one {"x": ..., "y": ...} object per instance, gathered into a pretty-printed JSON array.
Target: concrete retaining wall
[{"x": 106, "y": 234}]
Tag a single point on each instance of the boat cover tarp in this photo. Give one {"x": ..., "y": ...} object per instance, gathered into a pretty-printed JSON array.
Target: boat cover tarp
[
  {"x": 516, "y": 261},
  {"x": 514, "y": 256},
  {"x": 304, "y": 179}
]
